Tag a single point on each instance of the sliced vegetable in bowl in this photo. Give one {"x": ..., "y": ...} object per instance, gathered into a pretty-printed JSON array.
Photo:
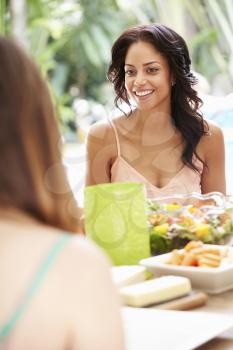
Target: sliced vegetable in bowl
[
  {"x": 212, "y": 279},
  {"x": 173, "y": 223}
]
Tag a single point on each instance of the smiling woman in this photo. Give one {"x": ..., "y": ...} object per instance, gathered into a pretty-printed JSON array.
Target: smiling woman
[{"x": 163, "y": 141}]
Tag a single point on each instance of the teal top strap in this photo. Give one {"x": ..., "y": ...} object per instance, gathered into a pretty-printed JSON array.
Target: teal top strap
[{"x": 35, "y": 285}]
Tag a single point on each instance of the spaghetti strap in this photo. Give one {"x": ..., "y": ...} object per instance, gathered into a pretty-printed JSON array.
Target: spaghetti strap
[
  {"x": 116, "y": 135},
  {"x": 36, "y": 283}
]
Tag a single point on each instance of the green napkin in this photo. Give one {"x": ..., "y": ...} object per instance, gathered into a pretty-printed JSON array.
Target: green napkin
[{"x": 115, "y": 218}]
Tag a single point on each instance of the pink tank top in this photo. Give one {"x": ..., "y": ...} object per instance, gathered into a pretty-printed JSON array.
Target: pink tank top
[{"x": 185, "y": 181}]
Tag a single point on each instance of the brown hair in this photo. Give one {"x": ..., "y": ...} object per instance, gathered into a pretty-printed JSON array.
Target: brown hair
[
  {"x": 185, "y": 102},
  {"x": 29, "y": 143}
]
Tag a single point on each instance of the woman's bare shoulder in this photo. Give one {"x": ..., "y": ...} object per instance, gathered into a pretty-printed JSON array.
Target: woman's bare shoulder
[
  {"x": 79, "y": 248},
  {"x": 82, "y": 249},
  {"x": 103, "y": 127},
  {"x": 212, "y": 141},
  {"x": 99, "y": 129},
  {"x": 103, "y": 131},
  {"x": 214, "y": 127},
  {"x": 100, "y": 133},
  {"x": 78, "y": 259},
  {"x": 214, "y": 132}
]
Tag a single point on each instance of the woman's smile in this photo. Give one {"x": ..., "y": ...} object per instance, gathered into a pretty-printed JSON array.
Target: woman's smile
[{"x": 143, "y": 93}]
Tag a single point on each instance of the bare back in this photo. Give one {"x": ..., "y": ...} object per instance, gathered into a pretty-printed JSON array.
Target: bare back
[{"x": 64, "y": 309}]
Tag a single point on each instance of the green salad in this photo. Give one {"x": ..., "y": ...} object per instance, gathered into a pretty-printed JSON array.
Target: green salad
[{"x": 173, "y": 225}]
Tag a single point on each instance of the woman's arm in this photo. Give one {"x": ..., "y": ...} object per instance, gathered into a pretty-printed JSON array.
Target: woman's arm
[
  {"x": 213, "y": 177},
  {"x": 100, "y": 149}
]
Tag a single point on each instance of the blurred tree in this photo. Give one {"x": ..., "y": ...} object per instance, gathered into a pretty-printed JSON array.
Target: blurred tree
[
  {"x": 3, "y": 14},
  {"x": 207, "y": 25},
  {"x": 71, "y": 39},
  {"x": 213, "y": 41},
  {"x": 18, "y": 21}
]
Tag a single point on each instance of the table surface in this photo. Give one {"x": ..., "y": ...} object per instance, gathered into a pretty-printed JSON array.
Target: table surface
[
  {"x": 223, "y": 304},
  {"x": 218, "y": 304}
]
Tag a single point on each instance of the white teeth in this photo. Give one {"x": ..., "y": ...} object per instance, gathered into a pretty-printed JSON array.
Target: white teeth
[{"x": 143, "y": 93}]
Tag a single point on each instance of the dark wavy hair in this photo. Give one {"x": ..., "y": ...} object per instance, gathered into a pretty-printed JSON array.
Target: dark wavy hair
[{"x": 185, "y": 102}]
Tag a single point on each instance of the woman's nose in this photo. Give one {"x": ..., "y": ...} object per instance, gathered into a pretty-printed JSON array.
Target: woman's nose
[{"x": 140, "y": 80}]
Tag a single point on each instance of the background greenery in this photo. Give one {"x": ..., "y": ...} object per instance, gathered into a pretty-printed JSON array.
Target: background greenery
[{"x": 71, "y": 41}]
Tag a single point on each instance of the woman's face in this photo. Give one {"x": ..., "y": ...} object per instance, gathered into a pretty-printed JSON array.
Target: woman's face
[{"x": 148, "y": 78}]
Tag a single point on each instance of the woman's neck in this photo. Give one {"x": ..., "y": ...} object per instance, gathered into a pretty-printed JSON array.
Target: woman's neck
[
  {"x": 153, "y": 128},
  {"x": 157, "y": 118},
  {"x": 153, "y": 121},
  {"x": 14, "y": 214}
]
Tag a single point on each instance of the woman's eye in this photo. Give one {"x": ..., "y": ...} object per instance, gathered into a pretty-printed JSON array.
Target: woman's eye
[
  {"x": 129, "y": 72},
  {"x": 152, "y": 70}
]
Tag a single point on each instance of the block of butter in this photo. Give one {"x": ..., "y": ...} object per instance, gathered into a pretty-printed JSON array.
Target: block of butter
[
  {"x": 128, "y": 274},
  {"x": 155, "y": 291}
]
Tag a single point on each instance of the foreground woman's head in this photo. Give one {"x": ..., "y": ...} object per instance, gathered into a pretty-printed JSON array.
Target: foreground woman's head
[{"x": 29, "y": 143}]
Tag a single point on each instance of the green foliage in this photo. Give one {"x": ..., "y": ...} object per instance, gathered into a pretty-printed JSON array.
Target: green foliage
[
  {"x": 71, "y": 39},
  {"x": 2, "y": 15}
]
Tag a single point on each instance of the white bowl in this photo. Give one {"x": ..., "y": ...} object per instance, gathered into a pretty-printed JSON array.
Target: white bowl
[{"x": 212, "y": 280}]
